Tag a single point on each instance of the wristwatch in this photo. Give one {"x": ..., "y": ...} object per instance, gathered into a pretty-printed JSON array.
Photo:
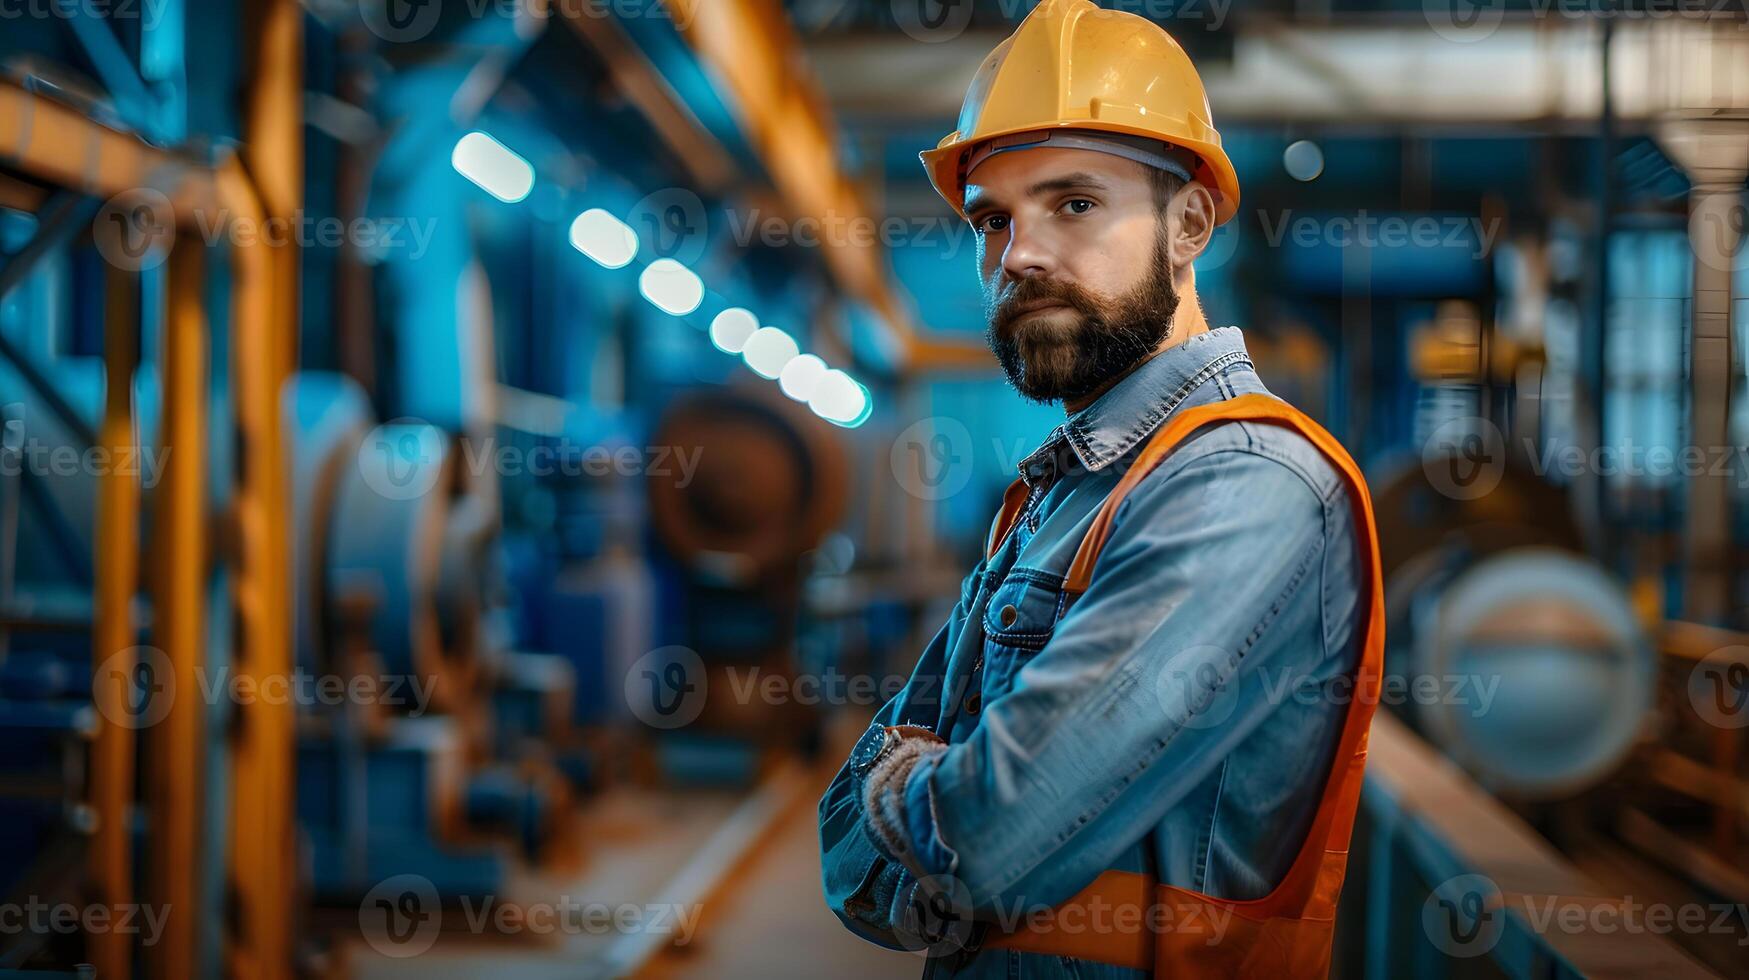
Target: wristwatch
[{"x": 880, "y": 741}]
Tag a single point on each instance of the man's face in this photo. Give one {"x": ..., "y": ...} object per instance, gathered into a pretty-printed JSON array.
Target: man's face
[{"x": 1073, "y": 262}]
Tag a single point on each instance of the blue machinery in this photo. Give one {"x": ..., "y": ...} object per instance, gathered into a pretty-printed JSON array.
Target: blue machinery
[
  {"x": 111, "y": 569},
  {"x": 390, "y": 558},
  {"x": 278, "y": 477}
]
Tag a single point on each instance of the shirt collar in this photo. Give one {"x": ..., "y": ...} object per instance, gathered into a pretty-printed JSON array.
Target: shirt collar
[{"x": 1134, "y": 407}]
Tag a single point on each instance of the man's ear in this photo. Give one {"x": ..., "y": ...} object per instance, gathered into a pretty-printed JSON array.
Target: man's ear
[{"x": 1190, "y": 223}]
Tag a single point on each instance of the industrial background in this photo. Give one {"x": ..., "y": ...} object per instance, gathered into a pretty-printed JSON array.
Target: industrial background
[{"x": 469, "y": 466}]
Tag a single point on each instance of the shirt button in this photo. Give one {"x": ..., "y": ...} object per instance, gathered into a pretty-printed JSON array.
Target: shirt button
[{"x": 1008, "y": 615}]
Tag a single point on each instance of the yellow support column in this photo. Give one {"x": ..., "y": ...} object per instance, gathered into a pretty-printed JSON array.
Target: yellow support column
[
  {"x": 265, "y": 318},
  {"x": 175, "y": 776},
  {"x": 116, "y": 570}
]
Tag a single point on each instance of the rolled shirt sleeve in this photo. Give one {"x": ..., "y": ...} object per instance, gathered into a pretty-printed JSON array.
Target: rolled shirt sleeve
[{"x": 863, "y": 886}]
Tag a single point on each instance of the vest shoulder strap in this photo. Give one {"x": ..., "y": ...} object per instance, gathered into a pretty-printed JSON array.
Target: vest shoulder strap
[{"x": 1244, "y": 408}]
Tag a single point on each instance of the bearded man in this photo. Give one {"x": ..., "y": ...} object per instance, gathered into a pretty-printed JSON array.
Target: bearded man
[{"x": 1136, "y": 745}]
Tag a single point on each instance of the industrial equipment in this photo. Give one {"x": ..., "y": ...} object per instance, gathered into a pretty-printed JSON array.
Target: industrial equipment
[{"x": 771, "y": 482}]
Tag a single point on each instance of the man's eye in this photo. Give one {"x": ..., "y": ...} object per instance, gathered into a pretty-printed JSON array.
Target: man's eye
[
  {"x": 995, "y": 222},
  {"x": 1079, "y": 205}
]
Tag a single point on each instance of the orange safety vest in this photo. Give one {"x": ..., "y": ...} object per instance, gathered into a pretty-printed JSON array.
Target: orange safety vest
[{"x": 1186, "y": 934}]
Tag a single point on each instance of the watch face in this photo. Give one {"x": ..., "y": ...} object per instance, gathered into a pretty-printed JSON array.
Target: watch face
[{"x": 868, "y": 749}]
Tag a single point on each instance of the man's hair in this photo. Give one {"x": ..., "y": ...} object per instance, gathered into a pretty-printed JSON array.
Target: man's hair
[{"x": 1164, "y": 185}]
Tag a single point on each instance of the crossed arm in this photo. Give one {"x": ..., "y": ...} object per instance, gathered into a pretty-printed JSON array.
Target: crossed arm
[{"x": 1147, "y": 683}]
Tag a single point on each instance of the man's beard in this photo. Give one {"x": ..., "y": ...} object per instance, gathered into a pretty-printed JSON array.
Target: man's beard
[{"x": 1049, "y": 361}]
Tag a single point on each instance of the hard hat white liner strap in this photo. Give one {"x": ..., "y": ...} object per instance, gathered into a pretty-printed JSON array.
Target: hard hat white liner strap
[{"x": 1155, "y": 153}]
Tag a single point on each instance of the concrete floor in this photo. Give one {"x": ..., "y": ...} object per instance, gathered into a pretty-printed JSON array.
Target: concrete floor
[
  {"x": 743, "y": 868},
  {"x": 774, "y": 924}
]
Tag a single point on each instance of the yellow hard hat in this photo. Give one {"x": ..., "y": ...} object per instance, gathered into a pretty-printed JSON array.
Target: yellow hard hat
[{"x": 1072, "y": 65}]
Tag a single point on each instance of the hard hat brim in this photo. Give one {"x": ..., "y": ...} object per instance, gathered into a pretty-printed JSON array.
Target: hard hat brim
[{"x": 1214, "y": 170}]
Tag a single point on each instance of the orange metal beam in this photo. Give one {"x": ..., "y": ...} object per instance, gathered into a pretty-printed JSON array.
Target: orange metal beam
[
  {"x": 261, "y": 739},
  {"x": 59, "y": 144},
  {"x": 116, "y": 565},
  {"x": 645, "y": 88},
  {"x": 267, "y": 182},
  {"x": 176, "y": 777},
  {"x": 752, "y": 47}
]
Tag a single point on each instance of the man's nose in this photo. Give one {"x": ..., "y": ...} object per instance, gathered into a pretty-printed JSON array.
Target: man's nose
[{"x": 1026, "y": 257}]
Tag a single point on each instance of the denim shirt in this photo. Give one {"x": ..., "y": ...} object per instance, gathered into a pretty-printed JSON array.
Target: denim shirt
[{"x": 1175, "y": 720}]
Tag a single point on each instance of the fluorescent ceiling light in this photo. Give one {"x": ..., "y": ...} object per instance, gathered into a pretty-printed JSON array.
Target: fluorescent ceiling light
[
  {"x": 606, "y": 239},
  {"x": 493, "y": 166}
]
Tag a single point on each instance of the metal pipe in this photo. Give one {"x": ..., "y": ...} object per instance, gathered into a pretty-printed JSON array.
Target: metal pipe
[
  {"x": 1712, "y": 147},
  {"x": 58, "y": 219},
  {"x": 112, "y": 633},
  {"x": 46, "y": 390},
  {"x": 1593, "y": 354},
  {"x": 175, "y": 776},
  {"x": 261, "y": 741},
  {"x": 267, "y": 182},
  {"x": 61, "y": 145},
  {"x": 126, "y": 89}
]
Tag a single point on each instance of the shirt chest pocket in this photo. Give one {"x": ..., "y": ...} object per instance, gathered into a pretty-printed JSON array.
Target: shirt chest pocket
[{"x": 1018, "y": 621}]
